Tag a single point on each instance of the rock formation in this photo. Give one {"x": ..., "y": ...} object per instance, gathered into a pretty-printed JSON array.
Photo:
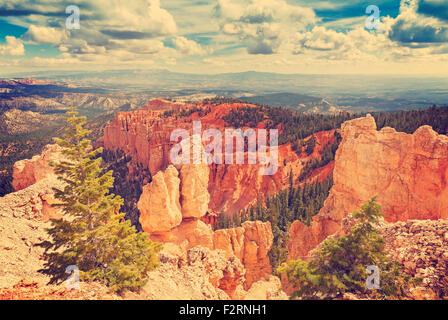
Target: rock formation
[
  {"x": 159, "y": 203},
  {"x": 194, "y": 195},
  {"x": 28, "y": 289},
  {"x": 29, "y": 171},
  {"x": 250, "y": 243},
  {"x": 270, "y": 289},
  {"x": 144, "y": 135},
  {"x": 160, "y": 216},
  {"x": 199, "y": 273},
  {"x": 407, "y": 172}
]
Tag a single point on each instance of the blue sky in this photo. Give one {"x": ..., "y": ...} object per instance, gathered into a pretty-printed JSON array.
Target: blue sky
[{"x": 216, "y": 36}]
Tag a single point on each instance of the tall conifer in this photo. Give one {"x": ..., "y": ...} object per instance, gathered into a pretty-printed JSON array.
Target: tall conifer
[{"x": 92, "y": 233}]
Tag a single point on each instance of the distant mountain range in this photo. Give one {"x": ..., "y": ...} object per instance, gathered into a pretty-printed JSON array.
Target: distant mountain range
[
  {"x": 360, "y": 92},
  {"x": 295, "y": 101}
]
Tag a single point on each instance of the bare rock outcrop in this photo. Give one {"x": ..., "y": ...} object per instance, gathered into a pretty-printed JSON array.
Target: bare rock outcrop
[
  {"x": 29, "y": 171},
  {"x": 407, "y": 172},
  {"x": 171, "y": 207},
  {"x": 421, "y": 247},
  {"x": 23, "y": 220},
  {"x": 269, "y": 289},
  {"x": 194, "y": 195},
  {"x": 199, "y": 273}
]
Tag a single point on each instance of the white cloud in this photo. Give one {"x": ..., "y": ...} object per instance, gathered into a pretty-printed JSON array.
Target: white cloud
[
  {"x": 144, "y": 16},
  {"x": 189, "y": 47},
  {"x": 126, "y": 28},
  {"x": 263, "y": 24},
  {"x": 12, "y": 47},
  {"x": 412, "y": 28},
  {"x": 45, "y": 35},
  {"x": 140, "y": 46}
]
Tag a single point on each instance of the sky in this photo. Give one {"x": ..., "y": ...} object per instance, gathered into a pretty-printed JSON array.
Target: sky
[{"x": 226, "y": 36}]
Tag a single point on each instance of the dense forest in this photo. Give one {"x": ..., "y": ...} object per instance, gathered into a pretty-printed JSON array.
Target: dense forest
[
  {"x": 327, "y": 155},
  {"x": 294, "y": 203},
  {"x": 297, "y": 126},
  {"x": 186, "y": 112},
  {"x": 409, "y": 121}
]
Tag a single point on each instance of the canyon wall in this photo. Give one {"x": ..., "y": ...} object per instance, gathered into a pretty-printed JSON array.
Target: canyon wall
[
  {"x": 408, "y": 173},
  {"x": 144, "y": 134}
]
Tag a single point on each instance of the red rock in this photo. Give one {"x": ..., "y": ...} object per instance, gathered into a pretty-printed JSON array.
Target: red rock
[
  {"x": 407, "y": 172},
  {"x": 250, "y": 243},
  {"x": 144, "y": 134}
]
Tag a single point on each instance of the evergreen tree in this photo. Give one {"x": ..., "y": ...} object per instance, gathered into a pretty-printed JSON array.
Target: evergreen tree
[
  {"x": 340, "y": 263},
  {"x": 92, "y": 234}
]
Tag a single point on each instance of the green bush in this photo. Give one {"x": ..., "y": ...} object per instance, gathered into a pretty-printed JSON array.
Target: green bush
[{"x": 339, "y": 265}]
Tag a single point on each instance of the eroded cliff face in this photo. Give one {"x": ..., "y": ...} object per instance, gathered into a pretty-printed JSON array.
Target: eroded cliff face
[
  {"x": 250, "y": 243},
  {"x": 144, "y": 134},
  {"x": 407, "y": 172},
  {"x": 159, "y": 204},
  {"x": 29, "y": 171}
]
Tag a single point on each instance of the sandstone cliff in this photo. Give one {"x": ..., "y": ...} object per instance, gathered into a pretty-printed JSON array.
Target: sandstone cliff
[
  {"x": 407, "y": 172},
  {"x": 159, "y": 204},
  {"x": 199, "y": 272}
]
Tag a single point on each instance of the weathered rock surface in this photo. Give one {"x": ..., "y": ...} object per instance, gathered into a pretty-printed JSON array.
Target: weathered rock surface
[
  {"x": 194, "y": 196},
  {"x": 187, "y": 234},
  {"x": 159, "y": 203},
  {"x": 250, "y": 243},
  {"x": 199, "y": 273},
  {"x": 29, "y": 171},
  {"x": 160, "y": 216},
  {"x": 28, "y": 289},
  {"x": 270, "y": 289},
  {"x": 22, "y": 226},
  {"x": 407, "y": 172},
  {"x": 421, "y": 247},
  {"x": 170, "y": 207}
]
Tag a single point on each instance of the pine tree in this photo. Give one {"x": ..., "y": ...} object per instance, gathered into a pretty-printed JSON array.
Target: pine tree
[
  {"x": 340, "y": 264},
  {"x": 92, "y": 234}
]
